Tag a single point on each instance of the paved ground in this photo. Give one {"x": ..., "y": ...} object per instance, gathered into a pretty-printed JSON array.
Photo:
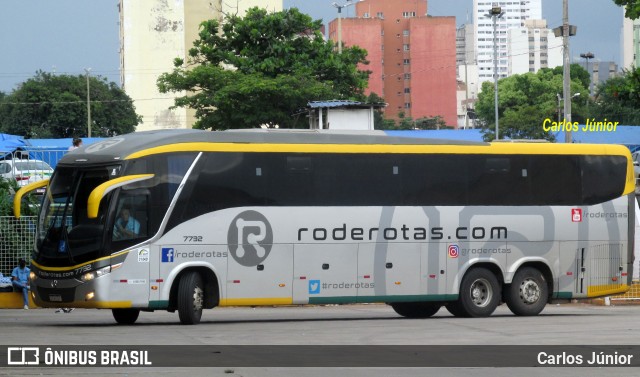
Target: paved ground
[{"x": 559, "y": 325}]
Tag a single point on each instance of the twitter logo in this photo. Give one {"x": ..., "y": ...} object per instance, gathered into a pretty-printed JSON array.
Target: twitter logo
[{"x": 314, "y": 287}]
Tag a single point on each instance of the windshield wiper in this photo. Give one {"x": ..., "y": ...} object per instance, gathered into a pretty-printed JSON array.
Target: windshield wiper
[{"x": 63, "y": 243}]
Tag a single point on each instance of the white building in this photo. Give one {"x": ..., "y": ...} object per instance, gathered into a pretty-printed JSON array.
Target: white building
[
  {"x": 515, "y": 14},
  {"x": 630, "y": 43},
  {"x": 532, "y": 47},
  {"x": 155, "y": 32}
]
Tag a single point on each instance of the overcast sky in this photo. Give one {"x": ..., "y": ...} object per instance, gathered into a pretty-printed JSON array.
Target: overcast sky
[{"x": 67, "y": 36}]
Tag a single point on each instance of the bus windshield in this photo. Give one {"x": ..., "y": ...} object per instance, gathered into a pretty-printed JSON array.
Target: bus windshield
[
  {"x": 66, "y": 236},
  {"x": 127, "y": 215}
]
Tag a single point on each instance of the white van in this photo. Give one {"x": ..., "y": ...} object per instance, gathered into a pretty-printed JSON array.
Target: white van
[{"x": 25, "y": 171}]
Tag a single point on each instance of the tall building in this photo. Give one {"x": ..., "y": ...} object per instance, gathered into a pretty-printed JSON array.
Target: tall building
[
  {"x": 630, "y": 43},
  {"x": 412, "y": 57},
  {"x": 515, "y": 14},
  {"x": 465, "y": 45},
  {"x": 155, "y": 32},
  {"x": 532, "y": 47},
  {"x": 599, "y": 72}
]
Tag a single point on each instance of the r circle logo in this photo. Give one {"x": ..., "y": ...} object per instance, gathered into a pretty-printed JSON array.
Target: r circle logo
[{"x": 250, "y": 238}]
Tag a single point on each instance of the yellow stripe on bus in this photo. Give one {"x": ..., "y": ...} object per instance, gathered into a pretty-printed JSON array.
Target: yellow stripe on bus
[
  {"x": 256, "y": 301},
  {"x": 89, "y": 304},
  {"x": 606, "y": 290},
  {"x": 494, "y": 148},
  {"x": 63, "y": 269}
]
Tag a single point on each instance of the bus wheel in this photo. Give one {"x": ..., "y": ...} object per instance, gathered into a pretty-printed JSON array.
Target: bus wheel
[
  {"x": 416, "y": 309},
  {"x": 528, "y": 293},
  {"x": 190, "y": 298},
  {"x": 125, "y": 316},
  {"x": 479, "y": 294}
]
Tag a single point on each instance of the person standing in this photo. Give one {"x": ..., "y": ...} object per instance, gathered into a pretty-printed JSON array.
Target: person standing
[
  {"x": 75, "y": 144},
  {"x": 20, "y": 280}
]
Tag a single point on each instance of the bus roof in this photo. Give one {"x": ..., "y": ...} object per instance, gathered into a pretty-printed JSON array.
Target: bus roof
[{"x": 138, "y": 144}]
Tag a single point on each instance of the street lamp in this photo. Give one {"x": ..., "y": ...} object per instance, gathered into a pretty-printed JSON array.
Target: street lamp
[
  {"x": 587, "y": 56},
  {"x": 560, "y": 104},
  {"x": 340, "y": 6},
  {"x": 87, "y": 70},
  {"x": 496, "y": 12}
]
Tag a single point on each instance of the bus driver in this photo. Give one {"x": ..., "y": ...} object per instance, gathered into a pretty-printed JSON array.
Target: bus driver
[{"x": 126, "y": 226}]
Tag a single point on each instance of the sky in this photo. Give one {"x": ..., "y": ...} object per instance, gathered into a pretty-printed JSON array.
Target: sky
[{"x": 68, "y": 36}]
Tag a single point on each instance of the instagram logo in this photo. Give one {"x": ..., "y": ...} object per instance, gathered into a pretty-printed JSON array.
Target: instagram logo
[{"x": 453, "y": 251}]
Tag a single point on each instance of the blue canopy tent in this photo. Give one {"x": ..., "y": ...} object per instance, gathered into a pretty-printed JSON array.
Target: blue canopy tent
[
  {"x": 47, "y": 150},
  {"x": 51, "y": 150},
  {"x": 9, "y": 144}
]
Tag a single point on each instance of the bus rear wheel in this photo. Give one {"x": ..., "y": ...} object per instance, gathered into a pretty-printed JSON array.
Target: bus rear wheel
[
  {"x": 528, "y": 293},
  {"x": 125, "y": 316},
  {"x": 479, "y": 294},
  {"x": 416, "y": 309},
  {"x": 190, "y": 298}
]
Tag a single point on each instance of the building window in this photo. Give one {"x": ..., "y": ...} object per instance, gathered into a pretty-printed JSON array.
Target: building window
[
  {"x": 407, "y": 105},
  {"x": 408, "y": 14},
  {"x": 365, "y": 15},
  {"x": 407, "y": 90},
  {"x": 406, "y": 47},
  {"x": 405, "y": 33},
  {"x": 380, "y": 15},
  {"x": 407, "y": 76},
  {"x": 407, "y": 61}
]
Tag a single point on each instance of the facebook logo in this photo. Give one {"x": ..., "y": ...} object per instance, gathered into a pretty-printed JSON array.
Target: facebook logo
[
  {"x": 314, "y": 287},
  {"x": 167, "y": 254}
]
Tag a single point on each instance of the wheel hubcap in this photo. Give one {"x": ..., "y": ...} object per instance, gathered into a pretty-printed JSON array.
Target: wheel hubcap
[
  {"x": 481, "y": 293},
  {"x": 198, "y": 297},
  {"x": 529, "y": 291}
]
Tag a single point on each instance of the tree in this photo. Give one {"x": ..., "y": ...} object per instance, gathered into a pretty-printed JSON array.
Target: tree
[
  {"x": 261, "y": 69},
  {"x": 525, "y": 101},
  {"x": 618, "y": 99},
  {"x": 54, "y": 106},
  {"x": 632, "y": 8}
]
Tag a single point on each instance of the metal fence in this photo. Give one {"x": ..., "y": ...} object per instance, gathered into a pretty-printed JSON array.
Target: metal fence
[{"x": 16, "y": 241}]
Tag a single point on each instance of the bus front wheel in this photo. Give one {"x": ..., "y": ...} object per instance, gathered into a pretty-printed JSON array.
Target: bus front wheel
[
  {"x": 416, "y": 309},
  {"x": 528, "y": 293},
  {"x": 190, "y": 298},
  {"x": 479, "y": 294},
  {"x": 125, "y": 316}
]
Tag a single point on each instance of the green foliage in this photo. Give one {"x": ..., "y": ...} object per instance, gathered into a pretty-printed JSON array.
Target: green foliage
[
  {"x": 261, "y": 69},
  {"x": 8, "y": 188},
  {"x": 525, "y": 101},
  {"x": 632, "y": 8},
  {"x": 54, "y": 106},
  {"x": 408, "y": 123},
  {"x": 618, "y": 99}
]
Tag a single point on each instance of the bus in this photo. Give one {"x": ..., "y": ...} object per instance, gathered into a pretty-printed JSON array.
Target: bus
[{"x": 186, "y": 220}]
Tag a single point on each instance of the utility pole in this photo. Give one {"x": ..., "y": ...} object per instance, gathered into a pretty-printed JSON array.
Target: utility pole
[
  {"x": 496, "y": 12},
  {"x": 566, "y": 75},
  {"x": 87, "y": 70}
]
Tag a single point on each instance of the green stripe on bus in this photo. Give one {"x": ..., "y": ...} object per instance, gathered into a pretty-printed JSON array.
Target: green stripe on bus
[
  {"x": 159, "y": 304},
  {"x": 562, "y": 295},
  {"x": 365, "y": 299}
]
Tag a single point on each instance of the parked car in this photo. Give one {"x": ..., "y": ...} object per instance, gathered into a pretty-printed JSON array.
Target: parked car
[{"x": 25, "y": 171}]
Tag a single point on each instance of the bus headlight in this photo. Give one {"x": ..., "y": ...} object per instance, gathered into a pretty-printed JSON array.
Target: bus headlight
[
  {"x": 32, "y": 276},
  {"x": 95, "y": 274}
]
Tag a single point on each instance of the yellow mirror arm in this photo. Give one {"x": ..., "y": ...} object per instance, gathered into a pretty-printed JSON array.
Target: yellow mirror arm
[
  {"x": 93, "y": 203},
  {"x": 17, "y": 199}
]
